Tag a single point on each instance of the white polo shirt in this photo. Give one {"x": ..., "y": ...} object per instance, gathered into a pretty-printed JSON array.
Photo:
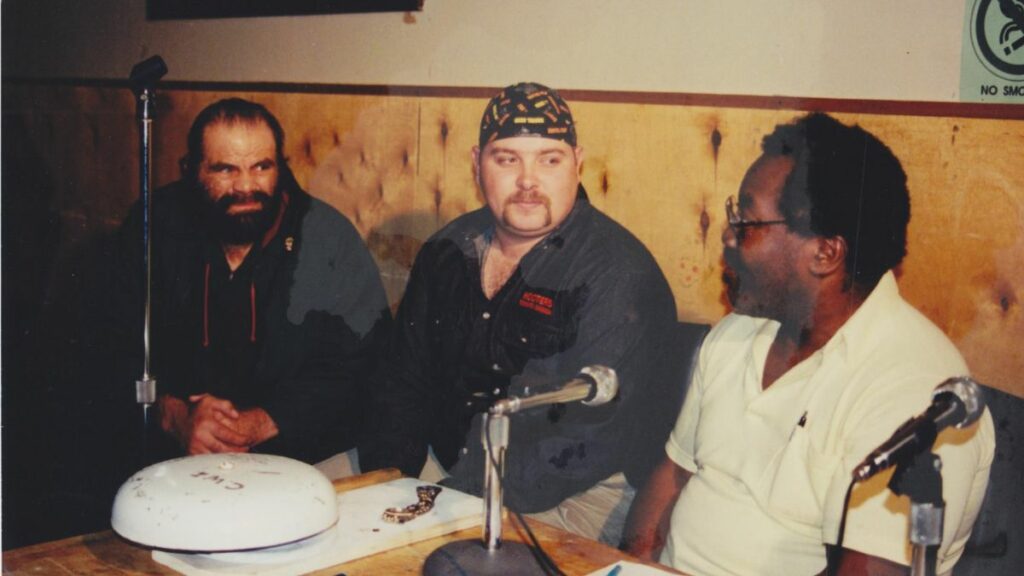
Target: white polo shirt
[{"x": 772, "y": 467}]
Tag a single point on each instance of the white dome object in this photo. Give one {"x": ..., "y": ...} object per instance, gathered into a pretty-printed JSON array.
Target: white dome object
[{"x": 221, "y": 502}]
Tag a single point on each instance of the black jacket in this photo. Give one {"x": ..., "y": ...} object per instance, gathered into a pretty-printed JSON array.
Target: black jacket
[
  {"x": 589, "y": 293},
  {"x": 319, "y": 313}
]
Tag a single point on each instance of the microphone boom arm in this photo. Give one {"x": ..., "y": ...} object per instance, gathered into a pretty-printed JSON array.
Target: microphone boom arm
[{"x": 594, "y": 385}]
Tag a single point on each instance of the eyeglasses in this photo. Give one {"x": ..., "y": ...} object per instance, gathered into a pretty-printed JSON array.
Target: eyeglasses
[{"x": 738, "y": 224}]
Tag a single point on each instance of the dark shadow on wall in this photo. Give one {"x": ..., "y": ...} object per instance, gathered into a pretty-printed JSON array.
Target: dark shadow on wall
[
  {"x": 64, "y": 442},
  {"x": 31, "y": 234}
]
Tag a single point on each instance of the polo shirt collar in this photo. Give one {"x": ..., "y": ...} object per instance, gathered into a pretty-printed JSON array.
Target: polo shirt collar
[
  {"x": 852, "y": 341},
  {"x": 854, "y": 337}
]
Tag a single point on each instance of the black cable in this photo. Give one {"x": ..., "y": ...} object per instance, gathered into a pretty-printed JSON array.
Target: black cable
[
  {"x": 546, "y": 562},
  {"x": 834, "y": 555}
]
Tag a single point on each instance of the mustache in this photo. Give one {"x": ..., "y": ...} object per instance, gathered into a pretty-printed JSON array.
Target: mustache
[
  {"x": 225, "y": 202},
  {"x": 529, "y": 196}
]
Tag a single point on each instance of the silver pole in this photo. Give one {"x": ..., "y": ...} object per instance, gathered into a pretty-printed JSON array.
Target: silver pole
[
  {"x": 495, "y": 440},
  {"x": 925, "y": 535},
  {"x": 145, "y": 388}
]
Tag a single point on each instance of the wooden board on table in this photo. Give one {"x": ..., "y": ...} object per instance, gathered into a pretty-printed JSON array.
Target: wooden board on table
[{"x": 360, "y": 532}]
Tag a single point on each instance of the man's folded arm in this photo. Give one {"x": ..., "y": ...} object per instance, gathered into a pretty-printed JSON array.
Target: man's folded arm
[{"x": 649, "y": 518}]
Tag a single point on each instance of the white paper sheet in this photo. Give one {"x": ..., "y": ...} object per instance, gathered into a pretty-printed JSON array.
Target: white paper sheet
[
  {"x": 630, "y": 569},
  {"x": 360, "y": 532}
]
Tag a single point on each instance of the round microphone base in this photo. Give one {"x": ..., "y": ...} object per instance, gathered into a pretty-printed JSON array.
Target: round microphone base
[{"x": 472, "y": 557}]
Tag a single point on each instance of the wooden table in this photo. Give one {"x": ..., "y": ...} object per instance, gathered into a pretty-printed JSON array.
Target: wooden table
[{"x": 106, "y": 553}]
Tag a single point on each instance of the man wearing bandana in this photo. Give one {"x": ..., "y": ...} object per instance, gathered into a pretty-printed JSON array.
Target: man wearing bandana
[
  {"x": 266, "y": 305},
  {"x": 514, "y": 299}
]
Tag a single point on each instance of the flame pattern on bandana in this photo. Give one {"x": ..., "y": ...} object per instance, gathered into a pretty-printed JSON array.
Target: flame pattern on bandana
[{"x": 527, "y": 109}]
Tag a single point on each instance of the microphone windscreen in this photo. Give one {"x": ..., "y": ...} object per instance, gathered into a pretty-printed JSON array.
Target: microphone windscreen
[
  {"x": 967, "y": 393},
  {"x": 146, "y": 73},
  {"x": 606, "y": 384}
]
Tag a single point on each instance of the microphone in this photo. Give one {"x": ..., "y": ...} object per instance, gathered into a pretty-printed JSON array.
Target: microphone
[
  {"x": 146, "y": 73},
  {"x": 594, "y": 385},
  {"x": 956, "y": 402}
]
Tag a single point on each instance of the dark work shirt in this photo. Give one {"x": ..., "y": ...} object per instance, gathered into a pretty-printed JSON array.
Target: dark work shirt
[{"x": 589, "y": 293}]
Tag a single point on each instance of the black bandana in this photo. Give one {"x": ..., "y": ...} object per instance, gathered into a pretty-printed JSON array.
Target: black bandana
[{"x": 527, "y": 109}]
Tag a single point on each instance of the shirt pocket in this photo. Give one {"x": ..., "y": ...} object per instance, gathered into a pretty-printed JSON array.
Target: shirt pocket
[
  {"x": 795, "y": 482},
  {"x": 530, "y": 336}
]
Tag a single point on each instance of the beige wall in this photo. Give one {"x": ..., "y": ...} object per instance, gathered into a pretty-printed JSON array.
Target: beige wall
[
  {"x": 399, "y": 168},
  {"x": 868, "y": 49},
  {"x": 648, "y": 165}
]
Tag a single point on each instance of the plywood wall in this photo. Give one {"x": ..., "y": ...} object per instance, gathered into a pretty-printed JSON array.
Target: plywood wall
[{"x": 399, "y": 168}]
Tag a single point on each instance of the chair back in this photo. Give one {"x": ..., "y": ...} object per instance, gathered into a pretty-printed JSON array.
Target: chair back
[{"x": 996, "y": 546}]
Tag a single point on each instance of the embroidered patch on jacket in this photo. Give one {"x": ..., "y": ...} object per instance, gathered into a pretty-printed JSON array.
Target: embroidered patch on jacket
[{"x": 537, "y": 303}]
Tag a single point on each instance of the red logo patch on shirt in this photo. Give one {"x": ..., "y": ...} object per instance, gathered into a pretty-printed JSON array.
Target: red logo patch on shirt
[{"x": 537, "y": 303}]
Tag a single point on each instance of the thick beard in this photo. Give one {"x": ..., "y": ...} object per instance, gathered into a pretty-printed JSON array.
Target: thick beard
[{"x": 245, "y": 228}]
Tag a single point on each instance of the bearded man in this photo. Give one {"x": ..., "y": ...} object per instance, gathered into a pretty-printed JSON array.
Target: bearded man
[{"x": 266, "y": 304}]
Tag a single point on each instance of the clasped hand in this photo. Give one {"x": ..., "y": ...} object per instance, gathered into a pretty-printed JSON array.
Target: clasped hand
[{"x": 208, "y": 424}]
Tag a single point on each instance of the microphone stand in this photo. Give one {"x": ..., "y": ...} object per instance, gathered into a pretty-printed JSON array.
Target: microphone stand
[
  {"x": 491, "y": 555},
  {"x": 918, "y": 473},
  {"x": 143, "y": 76},
  {"x": 920, "y": 478}
]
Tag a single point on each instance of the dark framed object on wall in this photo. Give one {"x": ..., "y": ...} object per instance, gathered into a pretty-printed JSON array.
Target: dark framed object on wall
[{"x": 185, "y": 9}]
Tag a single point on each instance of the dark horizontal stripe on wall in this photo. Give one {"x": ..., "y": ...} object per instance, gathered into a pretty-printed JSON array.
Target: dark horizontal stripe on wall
[{"x": 887, "y": 107}]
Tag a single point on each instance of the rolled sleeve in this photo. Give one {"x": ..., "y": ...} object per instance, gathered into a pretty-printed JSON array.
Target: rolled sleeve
[{"x": 682, "y": 442}]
